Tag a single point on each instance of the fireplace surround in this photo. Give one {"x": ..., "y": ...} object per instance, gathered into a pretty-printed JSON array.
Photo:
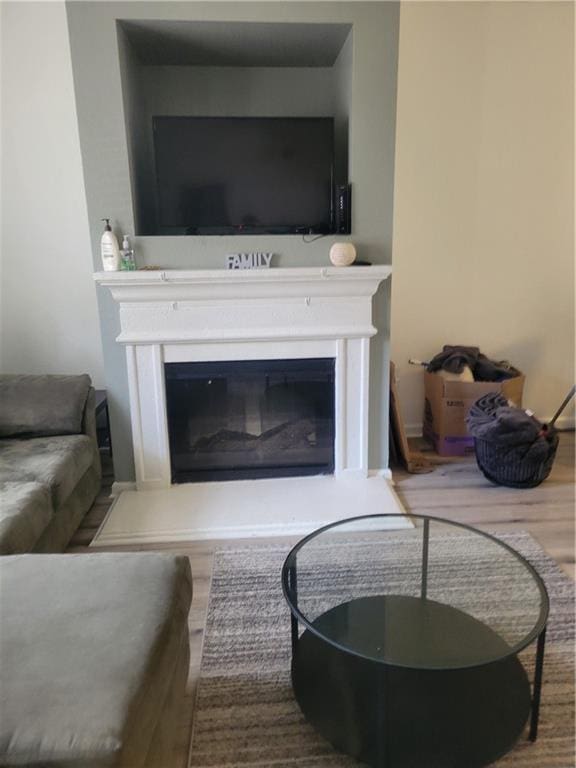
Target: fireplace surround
[{"x": 298, "y": 313}]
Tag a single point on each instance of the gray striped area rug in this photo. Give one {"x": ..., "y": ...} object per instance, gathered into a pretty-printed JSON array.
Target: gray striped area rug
[{"x": 245, "y": 714}]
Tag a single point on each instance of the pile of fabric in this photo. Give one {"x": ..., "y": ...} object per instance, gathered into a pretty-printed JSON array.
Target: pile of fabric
[
  {"x": 458, "y": 360},
  {"x": 513, "y": 448}
]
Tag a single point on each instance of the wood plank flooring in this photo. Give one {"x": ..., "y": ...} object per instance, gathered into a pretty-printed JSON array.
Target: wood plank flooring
[{"x": 454, "y": 490}]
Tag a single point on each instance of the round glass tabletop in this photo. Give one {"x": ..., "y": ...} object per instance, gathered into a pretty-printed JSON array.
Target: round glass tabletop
[{"x": 439, "y": 595}]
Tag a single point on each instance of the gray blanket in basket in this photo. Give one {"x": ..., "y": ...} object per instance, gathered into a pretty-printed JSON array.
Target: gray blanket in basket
[{"x": 513, "y": 433}]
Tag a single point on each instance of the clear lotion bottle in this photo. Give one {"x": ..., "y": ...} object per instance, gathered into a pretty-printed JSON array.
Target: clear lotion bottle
[{"x": 127, "y": 255}]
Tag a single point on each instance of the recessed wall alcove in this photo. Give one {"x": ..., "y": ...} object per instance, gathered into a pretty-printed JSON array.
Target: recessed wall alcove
[
  {"x": 112, "y": 74},
  {"x": 228, "y": 69}
]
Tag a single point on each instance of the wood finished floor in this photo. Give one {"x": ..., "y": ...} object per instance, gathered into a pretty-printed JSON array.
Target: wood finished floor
[{"x": 454, "y": 490}]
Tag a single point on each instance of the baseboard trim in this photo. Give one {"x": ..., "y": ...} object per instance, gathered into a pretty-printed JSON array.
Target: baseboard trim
[
  {"x": 413, "y": 430},
  {"x": 118, "y": 487},
  {"x": 385, "y": 473}
]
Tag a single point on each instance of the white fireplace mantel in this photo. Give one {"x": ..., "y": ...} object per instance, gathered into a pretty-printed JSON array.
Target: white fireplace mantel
[
  {"x": 213, "y": 315},
  {"x": 237, "y": 305}
]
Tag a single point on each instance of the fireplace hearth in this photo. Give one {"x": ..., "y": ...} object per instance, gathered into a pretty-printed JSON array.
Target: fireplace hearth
[{"x": 248, "y": 419}]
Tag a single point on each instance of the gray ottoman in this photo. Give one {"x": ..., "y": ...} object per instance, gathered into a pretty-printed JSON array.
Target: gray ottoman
[{"x": 94, "y": 655}]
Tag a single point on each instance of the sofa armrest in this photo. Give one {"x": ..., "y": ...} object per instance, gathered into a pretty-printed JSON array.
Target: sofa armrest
[{"x": 89, "y": 427}]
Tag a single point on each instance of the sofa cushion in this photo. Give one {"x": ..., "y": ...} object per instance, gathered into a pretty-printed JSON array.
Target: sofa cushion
[
  {"x": 42, "y": 405},
  {"x": 25, "y": 511},
  {"x": 58, "y": 462},
  {"x": 89, "y": 645}
]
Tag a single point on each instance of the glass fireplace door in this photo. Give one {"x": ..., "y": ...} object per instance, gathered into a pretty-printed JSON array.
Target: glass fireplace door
[{"x": 250, "y": 419}]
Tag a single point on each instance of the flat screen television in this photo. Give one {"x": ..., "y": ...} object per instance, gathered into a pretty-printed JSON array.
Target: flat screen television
[{"x": 244, "y": 175}]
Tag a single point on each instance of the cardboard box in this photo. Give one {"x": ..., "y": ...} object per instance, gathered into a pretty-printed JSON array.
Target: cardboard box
[{"x": 447, "y": 404}]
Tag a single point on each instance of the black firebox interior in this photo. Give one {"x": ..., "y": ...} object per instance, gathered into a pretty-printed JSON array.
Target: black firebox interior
[{"x": 238, "y": 420}]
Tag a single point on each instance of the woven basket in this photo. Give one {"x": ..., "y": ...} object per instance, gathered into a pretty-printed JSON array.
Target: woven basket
[{"x": 515, "y": 474}]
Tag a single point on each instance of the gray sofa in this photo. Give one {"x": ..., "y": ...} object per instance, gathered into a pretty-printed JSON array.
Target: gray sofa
[{"x": 50, "y": 469}]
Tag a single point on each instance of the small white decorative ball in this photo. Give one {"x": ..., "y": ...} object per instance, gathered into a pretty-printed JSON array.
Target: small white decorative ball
[{"x": 342, "y": 254}]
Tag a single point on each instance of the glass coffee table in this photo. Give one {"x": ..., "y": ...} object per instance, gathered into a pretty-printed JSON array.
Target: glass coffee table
[{"x": 409, "y": 654}]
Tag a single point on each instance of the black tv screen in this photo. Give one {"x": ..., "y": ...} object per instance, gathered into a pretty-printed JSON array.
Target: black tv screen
[{"x": 244, "y": 175}]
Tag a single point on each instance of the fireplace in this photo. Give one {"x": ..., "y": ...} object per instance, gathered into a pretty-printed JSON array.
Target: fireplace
[
  {"x": 248, "y": 419},
  {"x": 252, "y": 356},
  {"x": 282, "y": 316}
]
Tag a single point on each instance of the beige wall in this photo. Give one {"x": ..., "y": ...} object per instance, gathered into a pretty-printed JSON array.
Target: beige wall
[
  {"x": 484, "y": 197},
  {"x": 48, "y": 320}
]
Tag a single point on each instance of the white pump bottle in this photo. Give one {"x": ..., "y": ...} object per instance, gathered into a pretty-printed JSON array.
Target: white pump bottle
[{"x": 109, "y": 249}]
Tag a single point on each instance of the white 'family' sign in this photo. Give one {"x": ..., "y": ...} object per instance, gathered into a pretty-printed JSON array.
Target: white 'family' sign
[{"x": 248, "y": 260}]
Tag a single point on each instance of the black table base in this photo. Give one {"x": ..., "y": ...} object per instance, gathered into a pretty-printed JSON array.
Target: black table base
[{"x": 403, "y": 716}]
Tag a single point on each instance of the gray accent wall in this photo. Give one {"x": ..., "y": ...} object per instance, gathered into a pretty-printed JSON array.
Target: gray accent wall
[{"x": 106, "y": 113}]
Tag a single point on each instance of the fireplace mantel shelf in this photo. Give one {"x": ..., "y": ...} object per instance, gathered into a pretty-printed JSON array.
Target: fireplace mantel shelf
[
  {"x": 175, "y": 306},
  {"x": 239, "y": 284},
  {"x": 243, "y": 276}
]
